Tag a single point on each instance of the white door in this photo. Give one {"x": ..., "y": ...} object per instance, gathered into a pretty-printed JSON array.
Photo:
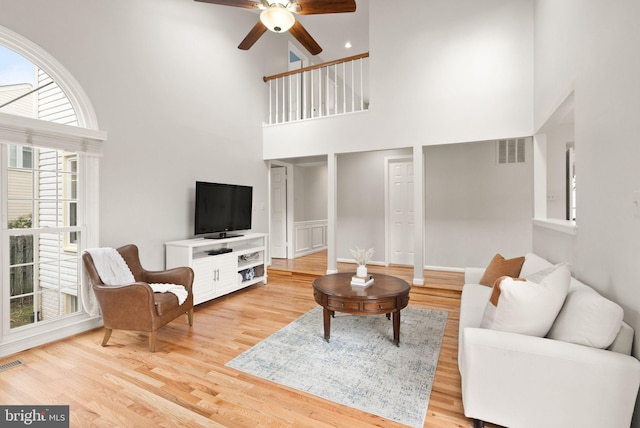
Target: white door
[
  {"x": 401, "y": 212},
  {"x": 278, "y": 212}
]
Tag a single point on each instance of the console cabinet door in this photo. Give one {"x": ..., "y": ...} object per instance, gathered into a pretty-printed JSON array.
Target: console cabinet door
[
  {"x": 203, "y": 279},
  {"x": 226, "y": 273},
  {"x": 214, "y": 276}
]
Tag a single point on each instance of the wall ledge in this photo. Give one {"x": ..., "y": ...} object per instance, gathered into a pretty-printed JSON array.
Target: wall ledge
[{"x": 564, "y": 226}]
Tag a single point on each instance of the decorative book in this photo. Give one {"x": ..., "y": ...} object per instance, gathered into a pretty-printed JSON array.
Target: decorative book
[{"x": 362, "y": 281}]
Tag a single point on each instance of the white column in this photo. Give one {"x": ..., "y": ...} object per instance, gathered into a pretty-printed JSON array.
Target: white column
[
  {"x": 418, "y": 206},
  {"x": 540, "y": 176},
  {"x": 332, "y": 213}
]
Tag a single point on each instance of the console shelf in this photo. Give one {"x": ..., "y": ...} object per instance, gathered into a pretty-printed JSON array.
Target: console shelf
[{"x": 242, "y": 265}]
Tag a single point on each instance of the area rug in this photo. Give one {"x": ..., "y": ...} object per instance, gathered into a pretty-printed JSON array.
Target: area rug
[{"x": 359, "y": 367}]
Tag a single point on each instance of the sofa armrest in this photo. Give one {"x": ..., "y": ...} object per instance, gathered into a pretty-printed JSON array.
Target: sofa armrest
[
  {"x": 623, "y": 341},
  {"x": 517, "y": 380},
  {"x": 473, "y": 275}
]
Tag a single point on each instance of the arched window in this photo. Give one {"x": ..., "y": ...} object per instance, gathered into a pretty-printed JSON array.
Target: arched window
[{"x": 49, "y": 149}]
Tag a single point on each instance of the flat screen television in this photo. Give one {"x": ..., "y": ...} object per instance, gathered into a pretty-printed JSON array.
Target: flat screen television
[{"x": 222, "y": 208}]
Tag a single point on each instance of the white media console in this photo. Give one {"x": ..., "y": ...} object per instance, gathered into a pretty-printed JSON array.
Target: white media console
[{"x": 221, "y": 266}]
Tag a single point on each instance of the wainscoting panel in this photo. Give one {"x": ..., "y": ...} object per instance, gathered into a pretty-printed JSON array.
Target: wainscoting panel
[{"x": 310, "y": 237}]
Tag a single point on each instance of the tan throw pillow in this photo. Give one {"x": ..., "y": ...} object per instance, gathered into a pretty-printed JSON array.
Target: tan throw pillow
[{"x": 499, "y": 266}]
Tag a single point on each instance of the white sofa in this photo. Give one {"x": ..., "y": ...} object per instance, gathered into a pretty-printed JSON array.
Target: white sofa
[{"x": 521, "y": 381}]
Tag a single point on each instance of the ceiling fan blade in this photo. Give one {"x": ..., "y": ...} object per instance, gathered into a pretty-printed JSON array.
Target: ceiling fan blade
[
  {"x": 303, "y": 36},
  {"x": 314, "y": 7},
  {"x": 253, "y": 36},
  {"x": 245, "y": 4}
]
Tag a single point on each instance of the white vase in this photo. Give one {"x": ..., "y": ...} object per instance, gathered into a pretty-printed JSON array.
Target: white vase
[{"x": 361, "y": 271}]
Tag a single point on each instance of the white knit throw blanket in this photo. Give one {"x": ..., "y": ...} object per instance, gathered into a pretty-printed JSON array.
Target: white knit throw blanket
[{"x": 113, "y": 270}]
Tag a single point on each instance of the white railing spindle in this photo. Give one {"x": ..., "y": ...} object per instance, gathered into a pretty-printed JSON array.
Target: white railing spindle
[
  {"x": 270, "y": 102},
  {"x": 312, "y": 97},
  {"x": 344, "y": 87},
  {"x": 335, "y": 87},
  {"x": 353, "y": 88}
]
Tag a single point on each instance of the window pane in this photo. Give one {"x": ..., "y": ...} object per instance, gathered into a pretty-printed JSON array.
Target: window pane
[
  {"x": 20, "y": 184},
  {"x": 27, "y": 157},
  {"x": 21, "y": 311},
  {"x": 20, "y": 249},
  {"x": 19, "y": 198},
  {"x": 20, "y": 214},
  {"x": 21, "y": 280},
  {"x": 48, "y": 160}
]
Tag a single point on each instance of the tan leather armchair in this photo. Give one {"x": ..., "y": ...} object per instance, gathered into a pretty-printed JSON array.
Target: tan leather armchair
[{"x": 135, "y": 306}]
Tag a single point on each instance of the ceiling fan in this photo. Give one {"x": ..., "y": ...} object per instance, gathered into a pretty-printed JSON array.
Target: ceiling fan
[{"x": 278, "y": 16}]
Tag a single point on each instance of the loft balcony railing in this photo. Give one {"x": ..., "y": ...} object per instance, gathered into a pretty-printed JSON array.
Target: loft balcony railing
[{"x": 327, "y": 89}]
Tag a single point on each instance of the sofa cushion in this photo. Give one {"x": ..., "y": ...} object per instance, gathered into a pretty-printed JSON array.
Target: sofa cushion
[
  {"x": 532, "y": 264},
  {"x": 587, "y": 318},
  {"x": 499, "y": 266},
  {"x": 527, "y": 306}
]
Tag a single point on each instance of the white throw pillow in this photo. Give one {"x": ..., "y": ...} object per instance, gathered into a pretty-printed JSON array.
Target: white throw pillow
[
  {"x": 532, "y": 264},
  {"x": 527, "y": 306},
  {"x": 587, "y": 318}
]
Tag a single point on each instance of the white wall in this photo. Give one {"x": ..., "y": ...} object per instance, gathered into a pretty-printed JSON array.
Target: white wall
[
  {"x": 593, "y": 46},
  {"x": 175, "y": 95},
  {"x": 475, "y": 208},
  {"x": 310, "y": 192}
]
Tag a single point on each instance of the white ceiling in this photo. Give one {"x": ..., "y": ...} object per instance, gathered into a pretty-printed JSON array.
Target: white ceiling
[{"x": 332, "y": 31}]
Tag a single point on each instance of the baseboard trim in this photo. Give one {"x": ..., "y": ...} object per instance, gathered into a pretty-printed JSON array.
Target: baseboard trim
[{"x": 444, "y": 268}]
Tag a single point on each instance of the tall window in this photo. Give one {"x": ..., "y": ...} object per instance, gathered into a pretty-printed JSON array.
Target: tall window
[
  {"x": 41, "y": 203},
  {"x": 49, "y": 161}
]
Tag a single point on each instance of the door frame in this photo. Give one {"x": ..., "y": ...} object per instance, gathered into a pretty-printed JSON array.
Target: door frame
[
  {"x": 289, "y": 173},
  {"x": 388, "y": 160}
]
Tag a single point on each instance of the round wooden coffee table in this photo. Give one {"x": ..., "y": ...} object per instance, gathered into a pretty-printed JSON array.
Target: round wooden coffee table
[{"x": 387, "y": 295}]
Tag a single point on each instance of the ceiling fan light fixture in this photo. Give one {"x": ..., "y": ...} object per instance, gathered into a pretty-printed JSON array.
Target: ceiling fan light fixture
[{"x": 277, "y": 18}]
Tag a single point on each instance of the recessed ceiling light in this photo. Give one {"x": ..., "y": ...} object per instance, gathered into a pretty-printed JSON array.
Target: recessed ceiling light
[{"x": 347, "y": 45}]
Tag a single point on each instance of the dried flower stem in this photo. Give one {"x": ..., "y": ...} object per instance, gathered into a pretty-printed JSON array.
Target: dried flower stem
[{"x": 361, "y": 255}]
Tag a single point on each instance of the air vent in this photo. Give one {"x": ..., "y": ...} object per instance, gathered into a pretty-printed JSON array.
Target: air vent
[
  {"x": 11, "y": 364},
  {"x": 511, "y": 151}
]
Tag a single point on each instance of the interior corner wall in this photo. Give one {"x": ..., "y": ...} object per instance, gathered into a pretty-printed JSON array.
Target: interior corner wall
[
  {"x": 176, "y": 97},
  {"x": 593, "y": 46},
  {"x": 475, "y": 208},
  {"x": 310, "y": 190}
]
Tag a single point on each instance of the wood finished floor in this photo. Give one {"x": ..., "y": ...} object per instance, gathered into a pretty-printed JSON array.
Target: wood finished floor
[{"x": 185, "y": 382}]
